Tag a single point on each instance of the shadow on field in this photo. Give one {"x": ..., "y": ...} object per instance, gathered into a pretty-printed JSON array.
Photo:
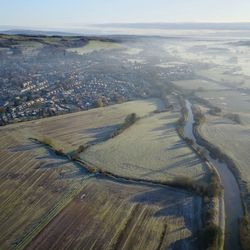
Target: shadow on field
[
  {"x": 187, "y": 243},
  {"x": 181, "y": 163},
  {"x": 65, "y": 168},
  {"x": 186, "y": 162},
  {"x": 166, "y": 131},
  {"x": 70, "y": 170},
  {"x": 100, "y": 133},
  {"x": 24, "y": 147},
  {"x": 52, "y": 164},
  {"x": 50, "y": 161},
  {"x": 170, "y": 116},
  {"x": 179, "y": 144},
  {"x": 174, "y": 204}
]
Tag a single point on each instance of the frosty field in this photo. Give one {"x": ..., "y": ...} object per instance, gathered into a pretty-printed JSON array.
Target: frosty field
[{"x": 150, "y": 149}]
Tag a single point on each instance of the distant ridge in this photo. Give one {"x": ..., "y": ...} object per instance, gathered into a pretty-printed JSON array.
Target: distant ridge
[
  {"x": 122, "y": 28},
  {"x": 37, "y": 32}
]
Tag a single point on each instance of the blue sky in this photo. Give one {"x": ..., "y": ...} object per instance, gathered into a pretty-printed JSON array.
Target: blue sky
[{"x": 60, "y": 13}]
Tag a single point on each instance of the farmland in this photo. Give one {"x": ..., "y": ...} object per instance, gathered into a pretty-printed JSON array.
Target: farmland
[
  {"x": 150, "y": 149},
  {"x": 108, "y": 215},
  {"x": 46, "y": 197},
  {"x": 89, "y": 179},
  {"x": 72, "y": 130},
  {"x": 35, "y": 186}
]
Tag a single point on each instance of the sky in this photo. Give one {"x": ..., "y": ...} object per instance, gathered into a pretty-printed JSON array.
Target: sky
[{"x": 69, "y": 13}]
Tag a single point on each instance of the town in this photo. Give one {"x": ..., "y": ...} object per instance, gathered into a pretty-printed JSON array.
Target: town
[{"x": 51, "y": 81}]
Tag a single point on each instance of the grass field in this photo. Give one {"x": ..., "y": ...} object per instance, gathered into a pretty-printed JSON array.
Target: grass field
[
  {"x": 108, "y": 215},
  {"x": 150, "y": 149},
  {"x": 95, "y": 46}
]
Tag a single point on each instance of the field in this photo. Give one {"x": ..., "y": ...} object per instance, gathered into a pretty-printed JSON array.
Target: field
[
  {"x": 198, "y": 85},
  {"x": 221, "y": 74},
  {"x": 71, "y": 130},
  {"x": 108, "y": 215},
  {"x": 223, "y": 62},
  {"x": 92, "y": 46},
  {"x": 150, "y": 149},
  {"x": 46, "y": 197},
  {"x": 35, "y": 186},
  {"x": 223, "y": 99}
]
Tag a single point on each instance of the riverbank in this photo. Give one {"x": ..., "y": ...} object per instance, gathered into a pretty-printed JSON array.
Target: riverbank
[
  {"x": 213, "y": 206},
  {"x": 232, "y": 194}
]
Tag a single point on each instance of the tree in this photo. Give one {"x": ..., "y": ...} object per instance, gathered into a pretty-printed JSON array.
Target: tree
[{"x": 99, "y": 103}]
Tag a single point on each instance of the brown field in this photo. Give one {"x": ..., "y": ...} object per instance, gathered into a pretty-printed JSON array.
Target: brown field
[
  {"x": 108, "y": 215},
  {"x": 34, "y": 186}
]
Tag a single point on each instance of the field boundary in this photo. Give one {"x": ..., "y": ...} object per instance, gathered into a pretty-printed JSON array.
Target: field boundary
[{"x": 99, "y": 172}]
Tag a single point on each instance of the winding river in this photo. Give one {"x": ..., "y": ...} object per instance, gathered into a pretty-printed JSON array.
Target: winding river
[{"x": 232, "y": 197}]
